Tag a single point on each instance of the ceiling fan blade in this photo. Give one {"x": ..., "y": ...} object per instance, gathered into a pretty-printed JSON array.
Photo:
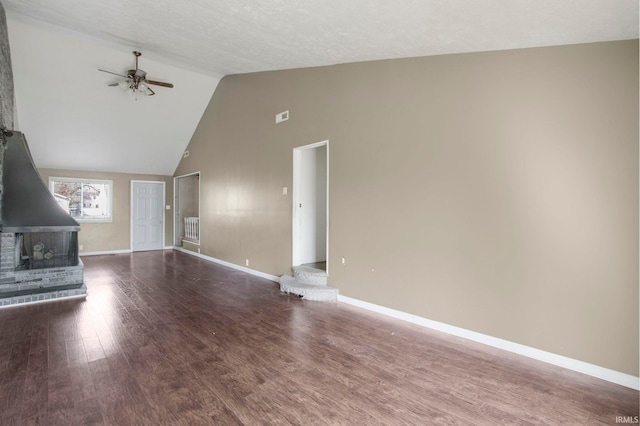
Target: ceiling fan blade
[
  {"x": 113, "y": 84},
  {"x": 114, "y": 73},
  {"x": 159, "y": 83},
  {"x": 152, "y": 92}
]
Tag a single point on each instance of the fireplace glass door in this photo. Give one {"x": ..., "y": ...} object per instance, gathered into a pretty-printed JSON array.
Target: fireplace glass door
[{"x": 40, "y": 250}]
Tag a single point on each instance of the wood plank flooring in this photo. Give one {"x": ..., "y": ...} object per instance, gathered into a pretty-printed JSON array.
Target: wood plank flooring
[{"x": 165, "y": 338}]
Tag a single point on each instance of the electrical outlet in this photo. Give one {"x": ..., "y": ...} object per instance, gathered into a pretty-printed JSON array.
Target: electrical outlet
[
  {"x": 246, "y": 262},
  {"x": 81, "y": 247},
  {"x": 344, "y": 260},
  {"x": 186, "y": 154}
]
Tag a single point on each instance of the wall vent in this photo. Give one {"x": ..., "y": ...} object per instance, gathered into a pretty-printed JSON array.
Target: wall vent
[{"x": 283, "y": 116}]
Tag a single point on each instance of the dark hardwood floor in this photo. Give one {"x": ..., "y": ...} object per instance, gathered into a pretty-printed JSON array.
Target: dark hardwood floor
[{"x": 167, "y": 338}]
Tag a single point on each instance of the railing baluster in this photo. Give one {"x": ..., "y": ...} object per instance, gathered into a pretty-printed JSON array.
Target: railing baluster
[{"x": 192, "y": 228}]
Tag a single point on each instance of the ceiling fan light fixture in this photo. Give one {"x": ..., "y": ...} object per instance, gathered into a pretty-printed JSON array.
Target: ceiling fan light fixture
[{"x": 136, "y": 82}]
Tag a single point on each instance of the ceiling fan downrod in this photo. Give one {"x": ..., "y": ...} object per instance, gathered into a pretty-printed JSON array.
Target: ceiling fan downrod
[{"x": 137, "y": 55}]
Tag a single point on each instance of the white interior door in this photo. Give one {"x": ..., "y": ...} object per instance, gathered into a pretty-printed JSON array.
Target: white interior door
[
  {"x": 310, "y": 204},
  {"x": 147, "y": 215}
]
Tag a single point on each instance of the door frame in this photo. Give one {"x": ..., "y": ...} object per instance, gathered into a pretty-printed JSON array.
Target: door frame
[
  {"x": 131, "y": 212},
  {"x": 297, "y": 155},
  {"x": 176, "y": 198}
]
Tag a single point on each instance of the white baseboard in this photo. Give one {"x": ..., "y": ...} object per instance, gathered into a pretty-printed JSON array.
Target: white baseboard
[
  {"x": 125, "y": 251},
  {"x": 230, "y": 265},
  {"x": 613, "y": 376},
  {"x": 98, "y": 253}
]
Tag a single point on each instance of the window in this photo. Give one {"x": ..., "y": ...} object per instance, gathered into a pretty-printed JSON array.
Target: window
[{"x": 86, "y": 200}]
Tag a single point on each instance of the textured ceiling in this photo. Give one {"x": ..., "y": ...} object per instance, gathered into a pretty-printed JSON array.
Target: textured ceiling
[
  {"x": 73, "y": 120},
  {"x": 237, "y": 36}
]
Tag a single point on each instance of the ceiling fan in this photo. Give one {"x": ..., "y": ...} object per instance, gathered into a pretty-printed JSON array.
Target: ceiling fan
[{"x": 136, "y": 82}]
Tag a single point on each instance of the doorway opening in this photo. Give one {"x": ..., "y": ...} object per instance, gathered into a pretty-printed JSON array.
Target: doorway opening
[
  {"x": 311, "y": 205},
  {"x": 186, "y": 224}
]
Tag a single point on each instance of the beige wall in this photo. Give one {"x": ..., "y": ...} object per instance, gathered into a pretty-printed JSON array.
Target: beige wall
[
  {"x": 495, "y": 191},
  {"x": 115, "y": 235}
]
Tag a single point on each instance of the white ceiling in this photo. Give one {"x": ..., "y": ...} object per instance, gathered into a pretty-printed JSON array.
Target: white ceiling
[
  {"x": 238, "y": 36},
  {"x": 73, "y": 120},
  {"x": 58, "y": 45}
]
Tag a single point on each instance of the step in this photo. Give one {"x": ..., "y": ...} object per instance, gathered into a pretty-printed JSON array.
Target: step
[
  {"x": 319, "y": 292},
  {"x": 308, "y": 275}
]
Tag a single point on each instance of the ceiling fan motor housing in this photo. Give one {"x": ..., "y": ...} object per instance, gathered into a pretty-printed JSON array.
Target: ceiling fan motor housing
[{"x": 137, "y": 73}]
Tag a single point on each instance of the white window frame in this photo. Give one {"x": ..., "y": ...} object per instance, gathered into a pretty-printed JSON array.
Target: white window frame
[{"x": 103, "y": 219}]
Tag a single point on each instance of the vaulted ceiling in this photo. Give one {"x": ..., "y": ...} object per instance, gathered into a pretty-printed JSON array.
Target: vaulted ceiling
[{"x": 73, "y": 120}]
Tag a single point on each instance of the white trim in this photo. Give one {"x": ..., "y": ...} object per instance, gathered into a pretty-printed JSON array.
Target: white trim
[
  {"x": 297, "y": 152},
  {"x": 230, "y": 265},
  {"x": 294, "y": 202},
  {"x": 107, "y": 182},
  {"x": 185, "y": 175},
  {"x": 603, "y": 373},
  {"x": 164, "y": 196},
  {"x": 176, "y": 196},
  {"x": 174, "y": 212},
  {"x": 326, "y": 259},
  {"x": 99, "y": 253}
]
